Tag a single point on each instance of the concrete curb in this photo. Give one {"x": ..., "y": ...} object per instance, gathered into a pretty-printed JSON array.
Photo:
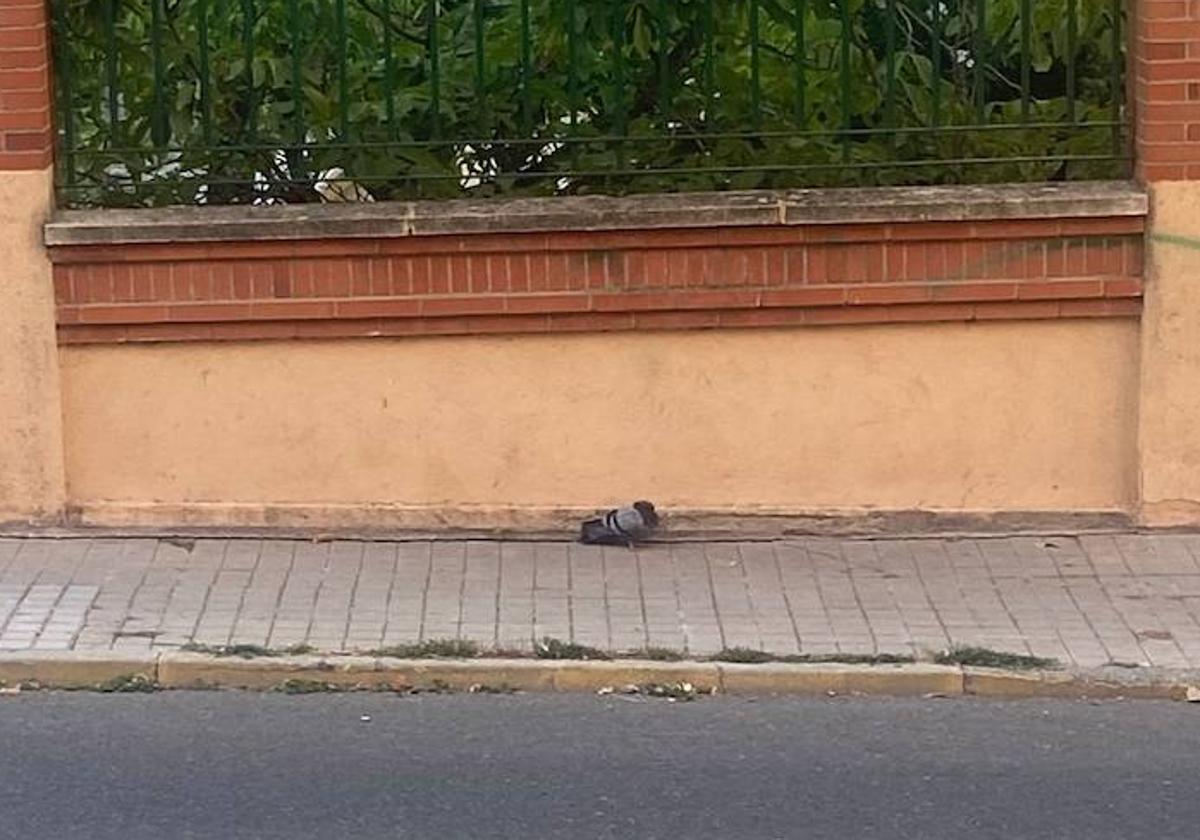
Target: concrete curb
[{"x": 179, "y": 670}]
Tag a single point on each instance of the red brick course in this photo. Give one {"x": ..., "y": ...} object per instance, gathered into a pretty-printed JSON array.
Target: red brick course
[{"x": 659, "y": 279}]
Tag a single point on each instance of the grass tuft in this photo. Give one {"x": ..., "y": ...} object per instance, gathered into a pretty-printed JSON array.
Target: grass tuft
[
  {"x": 987, "y": 658},
  {"x": 750, "y": 656},
  {"x": 431, "y": 649},
  {"x": 129, "y": 684},
  {"x": 659, "y": 654},
  {"x": 299, "y": 686},
  {"x": 743, "y": 655},
  {"x": 551, "y": 648}
]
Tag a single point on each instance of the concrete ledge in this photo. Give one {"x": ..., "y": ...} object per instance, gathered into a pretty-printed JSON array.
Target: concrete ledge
[
  {"x": 70, "y": 669},
  {"x": 886, "y": 680},
  {"x": 178, "y": 670},
  {"x": 93, "y": 520},
  {"x": 191, "y": 670},
  {"x": 986, "y": 682},
  {"x": 597, "y": 213}
]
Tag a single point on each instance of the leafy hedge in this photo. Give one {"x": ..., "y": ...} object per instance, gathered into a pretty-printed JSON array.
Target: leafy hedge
[{"x": 663, "y": 93}]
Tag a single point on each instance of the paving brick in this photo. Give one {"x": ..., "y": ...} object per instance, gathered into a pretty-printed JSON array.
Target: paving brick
[{"x": 1085, "y": 601}]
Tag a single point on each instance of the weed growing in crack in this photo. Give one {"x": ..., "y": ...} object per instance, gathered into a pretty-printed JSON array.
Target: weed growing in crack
[
  {"x": 551, "y": 648},
  {"x": 987, "y": 658},
  {"x": 129, "y": 684},
  {"x": 431, "y": 649}
]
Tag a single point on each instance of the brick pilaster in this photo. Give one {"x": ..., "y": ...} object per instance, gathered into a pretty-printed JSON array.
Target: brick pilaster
[
  {"x": 1165, "y": 75},
  {"x": 32, "y": 484},
  {"x": 1166, "y": 85},
  {"x": 26, "y": 137}
]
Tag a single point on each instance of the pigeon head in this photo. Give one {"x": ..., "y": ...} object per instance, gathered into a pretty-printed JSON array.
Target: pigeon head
[{"x": 649, "y": 514}]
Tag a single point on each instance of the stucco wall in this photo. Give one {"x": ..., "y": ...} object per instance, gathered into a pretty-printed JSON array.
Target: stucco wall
[
  {"x": 972, "y": 417},
  {"x": 1170, "y": 405},
  {"x": 31, "y": 463}
]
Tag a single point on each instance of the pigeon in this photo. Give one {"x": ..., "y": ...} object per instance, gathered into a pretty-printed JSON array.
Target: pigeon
[{"x": 622, "y": 526}]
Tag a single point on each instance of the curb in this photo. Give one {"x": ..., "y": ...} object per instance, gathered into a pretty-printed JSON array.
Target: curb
[{"x": 178, "y": 670}]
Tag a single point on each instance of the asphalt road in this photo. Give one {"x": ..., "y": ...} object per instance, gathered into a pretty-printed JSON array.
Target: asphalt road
[{"x": 229, "y": 765}]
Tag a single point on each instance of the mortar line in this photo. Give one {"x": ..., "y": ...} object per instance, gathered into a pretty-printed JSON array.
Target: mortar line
[
  {"x": 1124, "y": 560},
  {"x": 8, "y": 563},
  {"x": 499, "y": 585},
  {"x": 237, "y": 618},
  {"x": 571, "y": 591},
  {"x": 534, "y": 594},
  {"x": 362, "y": 551},
  {"x": 316, "y": 596},
  {"x": 857, "y": 595},
  {"x": 712, "y": 594},
  {"x": 637, "y": 562},
  {"x": 92, "y": 600},
  {"x": 1125, "y": 619},
  {"x": 279, "y": 595},
  {"x": 1187, "y": 547},
  {"x": 680, "y": 614},
  {"x": 462, "y": 591},
  {"x": 933, "y": 608},
  {"x": 24, "y": 591},
  {"x": 787, "y": 601},
  {"x": 986, "y": 568},
  {"x": 175, "y": 584},
  {"x": 62, "y": 591},
  {"x": 607, "y": 608},
  {"x": 750, "y": 601},
  {"x": 391, "y": 591},
  {"x": 133, "y": 592},
  {"x": 1087, "y": 618},
  {"x": 212, "y": 579},
  {"x": 425, "y": 591}
]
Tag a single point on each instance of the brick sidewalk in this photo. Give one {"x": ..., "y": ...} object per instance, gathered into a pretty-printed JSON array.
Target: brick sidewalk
[{"x": 1085, "y": 601}]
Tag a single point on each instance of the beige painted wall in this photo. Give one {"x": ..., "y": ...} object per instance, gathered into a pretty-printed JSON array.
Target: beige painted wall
[
  {"x": 31, "y": 462},
  {"x": 1170, "y": 403},
  {"x": 976, "y": 417}
]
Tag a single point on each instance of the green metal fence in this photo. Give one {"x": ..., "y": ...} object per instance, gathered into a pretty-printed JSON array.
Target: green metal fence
[{"x": 238, "y": 101}]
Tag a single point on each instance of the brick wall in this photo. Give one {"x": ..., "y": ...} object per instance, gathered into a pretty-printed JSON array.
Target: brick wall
[
  {"x": 1166, "y": 86},
  {"x": 26, "y": 139},
  {"x": 649, "y": 279}
]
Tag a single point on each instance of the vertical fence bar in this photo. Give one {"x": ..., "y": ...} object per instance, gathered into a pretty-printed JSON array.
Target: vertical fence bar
[
  {"x": 64, "y": 65},
  {"x": 298, "y": 128},
  {"x": 618, "y": 36},
  {"x": 755, "y": 67},
  {"x": 572, "y": 64},
  {"x": 1072, "y": 47},
  {"x": 526, "y": 70},
  {"x": 664, "y": 66},
  {"x": 980, "y": 59},
  {"x": 389, "y": 70},
  {"x": 1118, "y": 61},
  {"x": 206, "y": 120},
  {"x": 435, "y": 71},
  {"x": 801, "y": 12},
  {"x": 845, "y": 79},
  {"x": 889, "y": 102},
  {"x": 159, "y": 125},
  {"x": 710, "y": 67},
  {"x": 248, "y": 15},
  {"x": 573, "y": 78},
  {"x": 343, "y": 73},
  {"x": 935, "y": 10},
  {"x": 481, "y": 110},
  {"x": 1026, "y": 58},
  {"x": 111, "y": 58}
]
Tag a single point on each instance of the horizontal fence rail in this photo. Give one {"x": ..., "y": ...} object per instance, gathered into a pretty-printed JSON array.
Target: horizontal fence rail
[{"x": 256, "y": 101}]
